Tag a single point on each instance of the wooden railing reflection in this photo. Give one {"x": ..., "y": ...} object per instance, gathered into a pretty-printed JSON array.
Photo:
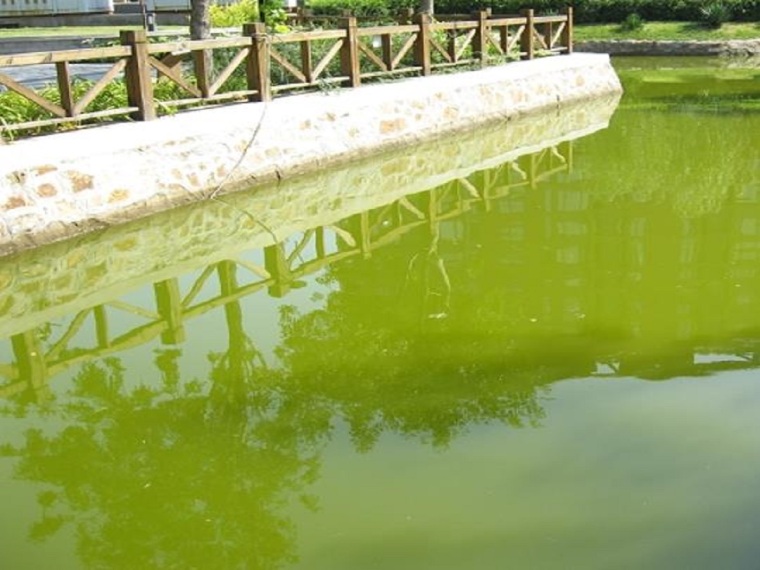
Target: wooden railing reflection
[{"x": 285, "y": 264}]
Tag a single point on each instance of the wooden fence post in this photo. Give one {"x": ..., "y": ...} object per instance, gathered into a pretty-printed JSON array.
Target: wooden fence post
[
  {"x": 30, "y": 362},
  {"x": 422, "y": 45},
  {"x": 202, "y": 63},
  {"x": 169, "y": 306},
  {"x": 480, "y": 39},
  {"x": 257, "y": 63},
  {"x": 64, "y": 87},
  {"x": 349, "y": 53},
  {"x": 276, "y": 263},
  {"x": 567, "y": 33},
  {"x": 527, "y": 40},
  {"x": 139, "y": 80}
]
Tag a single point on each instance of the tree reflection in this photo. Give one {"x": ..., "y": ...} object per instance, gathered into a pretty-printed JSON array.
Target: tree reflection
[
  {"x": 387, "y": 356},
  {"x": 172, "y": 476}
]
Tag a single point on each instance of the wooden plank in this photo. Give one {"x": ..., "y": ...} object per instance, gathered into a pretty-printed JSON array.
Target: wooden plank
[
  {"x": 63, "y": 77},
  {"x": 349, "y": 54},
  {"x": 101, "y": 325},
  {"x": 169, "y": 306},
  {"x": 257, "y": 65},
  {"x": 74, "y": 327},
  {"x": 387, "y": 49},
  {"x": 559, "y": 32},
  {"x": 439, "y": 48},
  {"x": 218, "y": 98},
  {"x": 369, "y": 52},
  {"x": 289, "y": 67},
  {"x": 198, "y": 45},
  {"x": 567, "y": 36},
  {"x": 30, "y": 360},
  {"x": 172, "y": 73},
  {"x": 300, "y": 246},
  {"x": 277, "y": 265},
  {"x": 202, "y": 66},
  {"x": 467, "y": 40},
  {"x": 133, "y": 309},
  {"x": 460, "y": 63},
  {"x": 35, "y": 58},
  {"x": 308, "y": 36},
  {"x": 326, "y": 59},
  {"x": 528, "y": 35},
  {"x": 422, "y": 45},
  {"x": 64, "y": 120},
  {"x": 539, "y": 37},
  {"x": 30, "y": 94},
  {"x": 138, "y": 78},
  {"x": 498, "y": 22},
  {"x": 174, "y": 59},
  {"x": 404, "y": 49},
  {"x": 307, "y": 63},
  {"x": 515, "y": 38},
  {"x": 549, "y": 19},
  {"x": 386, "y": 30},
  {"x": 480, "y": 39},
  {"x": 399, "y": 71},
  {"x": 490, "y": 41},
  {"x": 225, "y": 74},
  {"x": 101, "y": 84},
  {"x": 198, "y": 285},
  {"x": 443, "y": 26}
]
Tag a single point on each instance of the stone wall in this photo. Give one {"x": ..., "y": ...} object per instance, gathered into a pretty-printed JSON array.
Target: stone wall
[
  {"x": 729, "y": 48},
  {"x": 67, "y": 277},
  {"x": 62, "y": 185}
]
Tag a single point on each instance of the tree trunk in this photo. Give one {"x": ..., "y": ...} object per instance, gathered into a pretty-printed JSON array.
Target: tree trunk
[
  {"x": 427, "y": 6},
  {"x": 200, "y": 26}
]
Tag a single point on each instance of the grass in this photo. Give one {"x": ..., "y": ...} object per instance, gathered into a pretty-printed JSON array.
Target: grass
[
  {"x": 84, "y": 31},
  {"x": 668, "y": 31},
  {"x": 650, "y": 31}
]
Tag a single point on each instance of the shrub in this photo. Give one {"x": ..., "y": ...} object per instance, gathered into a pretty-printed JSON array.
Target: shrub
[
  {"x": 586, "y": 11},
  {"x": 715, "y": 14},
  {"x": 632, "y": 23},
  {"x": 234, "y": 15}
]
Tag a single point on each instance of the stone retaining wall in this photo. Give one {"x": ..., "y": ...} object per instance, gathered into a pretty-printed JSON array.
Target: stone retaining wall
[
  {"x": 64, "y": 278},
  {"x": 61, "y": 185},
  {"x": 730, "y": 48}
]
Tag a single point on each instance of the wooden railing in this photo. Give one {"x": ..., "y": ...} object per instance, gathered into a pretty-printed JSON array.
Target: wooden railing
[{"x": 257, "y": 65}]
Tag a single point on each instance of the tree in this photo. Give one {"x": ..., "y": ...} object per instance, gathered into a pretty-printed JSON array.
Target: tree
[{"x": 200, "y": 23}]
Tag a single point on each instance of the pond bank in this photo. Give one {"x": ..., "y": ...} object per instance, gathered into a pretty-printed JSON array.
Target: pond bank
[
  {"x": 62, "y": 185},
  {"x": 728, "y": 48},
  {"x": 41, "y": 285}
]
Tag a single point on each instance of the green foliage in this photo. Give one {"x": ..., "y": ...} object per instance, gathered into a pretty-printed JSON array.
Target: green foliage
[
  {"x": 586, "y": 11},
  {"x": 234, "y": 15},
  {"x": 376, "y": 9},
  {"x": 632, "y": 23},
  {"x": 715, "y": 14},
  {"x": 15, "y": 108}
]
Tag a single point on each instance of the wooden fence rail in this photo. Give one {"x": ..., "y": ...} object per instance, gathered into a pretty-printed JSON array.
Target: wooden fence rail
[{"x": 256, "y": 65}]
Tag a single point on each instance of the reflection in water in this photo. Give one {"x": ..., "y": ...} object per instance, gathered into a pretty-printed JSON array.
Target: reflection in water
[{"x": 430, "y": 317}]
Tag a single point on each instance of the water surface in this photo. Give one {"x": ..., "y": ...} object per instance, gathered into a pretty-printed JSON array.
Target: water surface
[{"x": 549, "y": 363}]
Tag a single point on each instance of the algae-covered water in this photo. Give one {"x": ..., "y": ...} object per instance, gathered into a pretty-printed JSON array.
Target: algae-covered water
[{"x": 551, "y": 362}]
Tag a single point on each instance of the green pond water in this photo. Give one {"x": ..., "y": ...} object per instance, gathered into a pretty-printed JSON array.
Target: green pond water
[{"x": 546, "y": 363}]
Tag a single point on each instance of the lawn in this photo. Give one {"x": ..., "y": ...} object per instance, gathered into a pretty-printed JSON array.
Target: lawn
[
  {"x": 669, "y": 31},
  {"x": 78, "y": 31},
  {"x": 650, "y": 31}
]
